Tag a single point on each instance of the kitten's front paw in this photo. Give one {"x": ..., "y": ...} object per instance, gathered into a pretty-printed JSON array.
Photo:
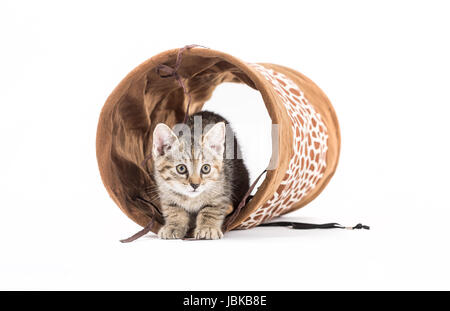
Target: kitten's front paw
[
  {"x": 208, "y": 233},
  {"x": 171, "y": 232}
]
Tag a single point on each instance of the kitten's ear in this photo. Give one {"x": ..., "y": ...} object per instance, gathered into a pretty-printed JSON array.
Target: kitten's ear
[
  {"x": 163, "y": 139},
  {"x": 215, "y": 138}
]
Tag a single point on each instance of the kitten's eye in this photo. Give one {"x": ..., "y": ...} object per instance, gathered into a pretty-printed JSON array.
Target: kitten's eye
[
  {"x": 206, "y": 168},
  {"x": 181, "y": 169}
]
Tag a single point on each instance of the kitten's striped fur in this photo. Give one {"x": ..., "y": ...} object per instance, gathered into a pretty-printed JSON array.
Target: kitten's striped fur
[{"x": 198, "y": 200}]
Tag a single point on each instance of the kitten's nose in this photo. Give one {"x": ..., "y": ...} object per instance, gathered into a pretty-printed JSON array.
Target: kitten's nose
[{"x": 194, "y": 186}]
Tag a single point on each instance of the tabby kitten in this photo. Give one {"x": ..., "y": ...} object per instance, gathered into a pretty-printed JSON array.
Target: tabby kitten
[{"x": 199, "y": 175}]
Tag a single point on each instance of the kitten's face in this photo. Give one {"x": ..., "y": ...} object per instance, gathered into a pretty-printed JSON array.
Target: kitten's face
[{"x": 185, "y": 169}]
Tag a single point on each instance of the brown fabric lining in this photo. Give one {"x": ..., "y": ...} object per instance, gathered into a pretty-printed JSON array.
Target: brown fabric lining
[{"x": 155, "y": 211}]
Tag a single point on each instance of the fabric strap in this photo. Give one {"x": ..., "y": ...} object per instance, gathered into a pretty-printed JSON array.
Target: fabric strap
[
  {"x": 306, "y": 226},
  {"x": 229, "y": 220}
]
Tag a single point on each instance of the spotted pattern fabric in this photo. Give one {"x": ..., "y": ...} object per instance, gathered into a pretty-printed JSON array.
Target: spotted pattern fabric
[{"x": 308, "y": 162}]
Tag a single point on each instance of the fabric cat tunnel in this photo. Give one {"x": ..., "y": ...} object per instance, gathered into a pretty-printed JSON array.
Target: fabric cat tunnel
[{"x": 162, "y": 88}]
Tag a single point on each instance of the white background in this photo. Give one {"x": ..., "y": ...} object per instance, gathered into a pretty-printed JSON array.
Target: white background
[{"x": 384, "y": 65}]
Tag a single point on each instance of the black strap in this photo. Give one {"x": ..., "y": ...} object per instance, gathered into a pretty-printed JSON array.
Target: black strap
[{"x": 306, "y": 226}]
